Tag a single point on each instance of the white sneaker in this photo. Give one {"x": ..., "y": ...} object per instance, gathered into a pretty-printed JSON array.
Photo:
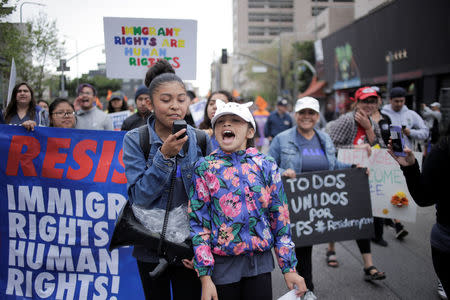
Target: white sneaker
[
  {"x": 440, "y": 291},
  {"x": 309, "y": 295}
]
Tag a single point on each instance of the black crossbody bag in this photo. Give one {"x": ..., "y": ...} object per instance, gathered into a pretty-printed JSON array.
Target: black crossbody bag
[{"x": 128, "y": 231}]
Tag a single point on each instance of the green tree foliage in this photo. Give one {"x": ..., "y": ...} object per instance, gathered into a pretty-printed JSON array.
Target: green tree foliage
[
  {"x": 47, "y": 50},
  {"x": 35, "y": 48},
  {"x": 5, "y": 9},
  {"x": 305, "y": 51},
  {"x": 267, "y": 83},
  {"x": 101, "y": 83}
]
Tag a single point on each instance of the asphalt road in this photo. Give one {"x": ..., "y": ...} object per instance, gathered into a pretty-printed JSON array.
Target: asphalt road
[{"x": 407, "y": 263}]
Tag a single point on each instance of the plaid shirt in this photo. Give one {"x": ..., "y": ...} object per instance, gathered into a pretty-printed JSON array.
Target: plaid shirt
[{"x": 343, "y": 131}]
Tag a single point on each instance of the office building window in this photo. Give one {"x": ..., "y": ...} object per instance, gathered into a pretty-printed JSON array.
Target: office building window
[{"x": 316, "y": 10}]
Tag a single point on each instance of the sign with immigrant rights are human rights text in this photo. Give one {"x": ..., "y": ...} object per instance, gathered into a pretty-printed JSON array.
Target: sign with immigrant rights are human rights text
[{"x": 133, "y": 45}]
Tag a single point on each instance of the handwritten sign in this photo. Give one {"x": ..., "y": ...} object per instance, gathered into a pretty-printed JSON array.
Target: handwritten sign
[
  {"x": 329, "y": 206},
  {"x": 198, "y": 111},
  {"x": 133, "y": 45},
  {"x": 62, "y": 191},
  {"x": 386, "y": 182},
  {"x": 117, "y": 118}
]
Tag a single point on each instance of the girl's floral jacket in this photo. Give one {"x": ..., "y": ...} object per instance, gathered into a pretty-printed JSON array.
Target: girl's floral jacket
[{"x": 238, "y": 206}]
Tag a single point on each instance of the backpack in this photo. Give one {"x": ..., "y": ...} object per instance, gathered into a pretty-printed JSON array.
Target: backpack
[
  {"x": 144, "y": 139},
  {"x": 434, "y": 132}
]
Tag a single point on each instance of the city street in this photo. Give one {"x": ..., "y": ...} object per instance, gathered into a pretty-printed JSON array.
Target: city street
[{"x": 408, "y": 267}]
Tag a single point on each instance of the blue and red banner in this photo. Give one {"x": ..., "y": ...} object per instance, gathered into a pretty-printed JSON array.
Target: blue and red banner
[{"x": 62, "y": 190}]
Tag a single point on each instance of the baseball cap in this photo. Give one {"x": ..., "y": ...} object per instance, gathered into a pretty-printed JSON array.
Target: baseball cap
[
  {"x": 435, "y": 104},
  {"x": 283, "y": 102},
  {"x": 365, "y": 92},
  {"x": 116, "y": 95},
  {"x": 307, "y": 102},
  {"x": 233, "y": 108},
  {"x": 397, "y": 92}
]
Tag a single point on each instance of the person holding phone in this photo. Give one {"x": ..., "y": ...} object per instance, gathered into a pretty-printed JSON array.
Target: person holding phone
[
  {"x": 149, "y": 181},
  {"x": 414, "y": 128},
  {"x": 300, "y": 149},
  {"x": 427, "y": 188},
  {"x": 356, "y": 129}
]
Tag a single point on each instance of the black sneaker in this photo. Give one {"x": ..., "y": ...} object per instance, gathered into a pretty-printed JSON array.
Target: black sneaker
[
  {"x": 389, "y": 222},
  {"x": 380, "y": 242},
  {"x": 400, "y": 231}
]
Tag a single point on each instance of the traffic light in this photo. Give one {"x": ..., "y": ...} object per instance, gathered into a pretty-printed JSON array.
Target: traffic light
[{"x": 224, "y": 58}]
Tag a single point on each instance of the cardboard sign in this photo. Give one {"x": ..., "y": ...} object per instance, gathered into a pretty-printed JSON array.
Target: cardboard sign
[
  {"x": 62, "y": 190},
  {"x": 388, "y": 189},
  {"x": 329, "y": 206},
  {"x": 117, "y": 118},
  {"x": 198, "y": 111},
  {"x": 134, "y": 45}
]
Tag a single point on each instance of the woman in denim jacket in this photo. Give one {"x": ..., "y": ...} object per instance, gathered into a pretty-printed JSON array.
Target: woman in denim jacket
[
  {"x": 149, "y": 181},
  {"x": 305, "y": 149}
]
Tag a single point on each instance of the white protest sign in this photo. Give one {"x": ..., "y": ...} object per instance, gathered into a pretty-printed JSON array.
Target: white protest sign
[
  {"x": 133, "y": 45},
  {"x": 388, "y": 190},
  {"x": 117, "y": 118},
  {"x": 198, "y": 111}
]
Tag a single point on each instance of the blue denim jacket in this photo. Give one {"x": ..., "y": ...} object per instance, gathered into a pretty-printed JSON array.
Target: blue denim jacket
[
  {"x": 288, "y": 154},
  {"x": 148, "y": 182}
]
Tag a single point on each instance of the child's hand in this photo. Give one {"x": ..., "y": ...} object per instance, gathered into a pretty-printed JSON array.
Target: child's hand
[
  {"x": 208, "y": 288},
  {"x": 188, "y": 263},
  {"x": 292, "y": 279},
  {"x": 289, "y": 173}
]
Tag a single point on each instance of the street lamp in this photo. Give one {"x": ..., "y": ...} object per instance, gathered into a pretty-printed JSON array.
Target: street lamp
[
  {"x": 296, "y": 65},
  {"x": 36, "y": 3}
]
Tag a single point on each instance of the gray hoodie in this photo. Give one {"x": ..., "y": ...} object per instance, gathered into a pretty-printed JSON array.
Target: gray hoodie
[
  {"x": 93, "y": 118},
  {"x": 410, "y": 119}
]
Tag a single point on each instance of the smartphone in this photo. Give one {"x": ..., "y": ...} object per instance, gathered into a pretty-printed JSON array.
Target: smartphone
[
  {"x": 398, "y": 143},
  {"x": 177, "y": 126}
]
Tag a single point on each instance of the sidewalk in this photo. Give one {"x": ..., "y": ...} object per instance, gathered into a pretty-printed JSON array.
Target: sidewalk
[{"x": 408, "y": 267}]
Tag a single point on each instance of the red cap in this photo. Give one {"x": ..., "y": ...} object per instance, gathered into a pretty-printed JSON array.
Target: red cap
[{"x": 365, "y": 92}]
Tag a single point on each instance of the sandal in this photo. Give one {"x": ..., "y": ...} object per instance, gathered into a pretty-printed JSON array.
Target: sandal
[
  {"x": 369, "y": 276},
  {"x": 331, "y": 259}
]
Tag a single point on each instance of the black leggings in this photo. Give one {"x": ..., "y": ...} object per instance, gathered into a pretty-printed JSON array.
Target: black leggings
[
  {"x": 441, "y": 263},
  {"x": 185, "y": 283},
  {"x": 255, "y": 287},
  {"x": 364, "y": 246},
  {"x": 304, "y": 265}
]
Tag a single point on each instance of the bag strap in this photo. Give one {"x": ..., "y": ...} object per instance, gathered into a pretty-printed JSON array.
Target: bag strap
[
  {"x": 201, "y": 140},
  {"x": 144, "y": 142}
]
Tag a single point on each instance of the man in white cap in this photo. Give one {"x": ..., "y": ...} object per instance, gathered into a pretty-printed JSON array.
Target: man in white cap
[{"x": 432, "y": 117}]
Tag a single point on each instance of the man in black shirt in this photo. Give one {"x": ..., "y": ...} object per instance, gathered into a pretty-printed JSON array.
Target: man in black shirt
[{"x": 143, "y": 105}]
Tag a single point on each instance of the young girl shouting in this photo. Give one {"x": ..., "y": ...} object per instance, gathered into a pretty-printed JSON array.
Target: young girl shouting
[{"x": 238, "y": 211}]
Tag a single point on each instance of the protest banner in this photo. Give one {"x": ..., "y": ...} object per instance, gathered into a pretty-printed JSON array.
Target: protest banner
[
  {"x": 388, "y": 190},
  {"x": 117, "y": 118},
  {"x": 329, "y": 206},
  {"x": 62, "y": 191},
  {"x": 133, "y": 45}
]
